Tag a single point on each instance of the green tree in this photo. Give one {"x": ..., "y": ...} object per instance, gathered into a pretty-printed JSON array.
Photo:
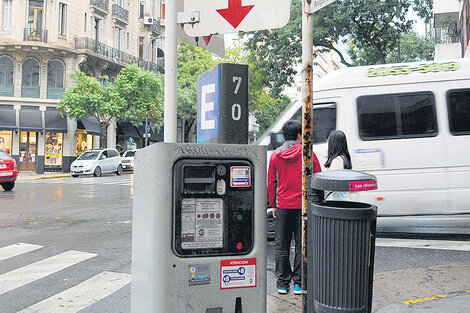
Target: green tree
[
  {"x": 375, "y": 25},
  {"x": 412, "y": 47},
  {"x": 192, "y": 62},
  {"x": 142, "y": 94},
  {"x": 90, "y": 98}
]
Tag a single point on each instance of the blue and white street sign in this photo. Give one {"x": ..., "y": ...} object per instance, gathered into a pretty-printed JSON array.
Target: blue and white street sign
[{"x": 208, "y": 103}]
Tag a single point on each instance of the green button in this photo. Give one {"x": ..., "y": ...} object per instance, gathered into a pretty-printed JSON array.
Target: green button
[{"x": 239, "y": 217}]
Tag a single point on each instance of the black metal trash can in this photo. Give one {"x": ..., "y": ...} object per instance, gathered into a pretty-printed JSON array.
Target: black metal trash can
[{"x": 341, "y": 244}]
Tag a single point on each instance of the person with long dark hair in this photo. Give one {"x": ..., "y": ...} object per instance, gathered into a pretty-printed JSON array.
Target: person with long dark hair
[
  {"x": 338, "y": 159},
  {"x": 338, "y": 154}
]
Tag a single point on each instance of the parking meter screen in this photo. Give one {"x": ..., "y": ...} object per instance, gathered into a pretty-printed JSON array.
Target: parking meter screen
[{"x": 213, "y": 207}]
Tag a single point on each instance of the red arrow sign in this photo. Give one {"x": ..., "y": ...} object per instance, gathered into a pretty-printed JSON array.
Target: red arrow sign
[
  {"x": 207, "y": 39},
  {"x": 235, "y": 12}
]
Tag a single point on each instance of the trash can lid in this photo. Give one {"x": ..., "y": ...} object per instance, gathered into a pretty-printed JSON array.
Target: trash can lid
[{"x": 343, "y": 180}]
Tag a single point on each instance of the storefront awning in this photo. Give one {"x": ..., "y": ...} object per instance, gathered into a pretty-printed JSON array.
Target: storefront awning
[
  {"x": 7, "y": 119},
  {"x": 129, "y": 130},
  {"x": 31, "y": 120},
  {"x": 153, "y": 137},
  {"x": 55, "y": 123},
  {"x": 92, "y": 125}
]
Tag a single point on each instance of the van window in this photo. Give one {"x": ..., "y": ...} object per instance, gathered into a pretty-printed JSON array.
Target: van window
[
  {"x": 458, "y": 106},
  {"x": 324, "y": 121},
  {"x": 397, "y": 116}
]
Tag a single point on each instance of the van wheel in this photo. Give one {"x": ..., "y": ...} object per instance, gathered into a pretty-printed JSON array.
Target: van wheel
[
  {"x": 97, "y": 172},
  {"x": 119, "y": 170},
  {"x": 8, "y": 186}
]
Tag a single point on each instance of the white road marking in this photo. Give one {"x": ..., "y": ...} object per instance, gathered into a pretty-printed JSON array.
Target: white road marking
[
  {"x": 17, "y": 249},
  {"x": 423, "y": 244},
  {"x": 82, "y": 295},
  {"x": 27, "y": 274}
]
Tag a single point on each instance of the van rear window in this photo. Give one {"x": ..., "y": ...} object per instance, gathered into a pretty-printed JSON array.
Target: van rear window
[
  {"x": 458, "y": 106},
  {"x": 397, "y": 116}
]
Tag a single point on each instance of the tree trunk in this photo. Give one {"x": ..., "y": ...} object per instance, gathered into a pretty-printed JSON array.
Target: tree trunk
[
  {"x": 104, "y": 135},
  {"x": 188, "y": 124}
]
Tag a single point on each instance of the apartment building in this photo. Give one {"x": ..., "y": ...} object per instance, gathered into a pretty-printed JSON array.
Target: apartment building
[
  {"x": 451, "y": 28},
  {"x": 41, "y": 43}
]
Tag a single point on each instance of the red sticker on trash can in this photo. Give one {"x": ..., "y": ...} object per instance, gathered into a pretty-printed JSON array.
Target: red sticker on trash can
[{"x": 362, "y": 185}]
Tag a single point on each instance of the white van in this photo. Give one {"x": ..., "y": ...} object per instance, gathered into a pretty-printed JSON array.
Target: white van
[{"x": 409, "y": 125}]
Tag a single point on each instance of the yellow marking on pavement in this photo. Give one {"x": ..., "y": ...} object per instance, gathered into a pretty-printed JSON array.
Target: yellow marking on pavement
[{"x": 413, "y": 301}]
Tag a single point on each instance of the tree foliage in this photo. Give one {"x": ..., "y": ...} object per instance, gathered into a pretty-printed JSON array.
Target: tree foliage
[
  {"x": 142, "y": 94},
  {"x": 373, "y": 26},
  {"x": 90, "y": 98}
]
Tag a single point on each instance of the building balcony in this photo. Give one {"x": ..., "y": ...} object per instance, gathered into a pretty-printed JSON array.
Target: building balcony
[
  {"x": 6, "y": 90},
  {"x": 30, "y": 92},
  {"x": 35, "y": 35},
  {"x": 100, "y": 5},
  {"x": 111, "y": 54},
  {"x": 120, "y": 14},
  {"x": 55, "y": 93}
]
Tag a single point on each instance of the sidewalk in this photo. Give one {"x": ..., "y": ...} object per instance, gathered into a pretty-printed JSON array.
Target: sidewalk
[{"x": 22, "y": 176}]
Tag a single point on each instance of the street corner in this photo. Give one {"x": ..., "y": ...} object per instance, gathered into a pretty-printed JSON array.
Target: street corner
[
  {"x": 277, "y": 303},
  {"x": 455, "y": 302}
]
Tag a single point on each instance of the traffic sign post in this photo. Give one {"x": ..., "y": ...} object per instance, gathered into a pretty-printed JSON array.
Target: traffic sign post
[{"x": 231, "y": 16}]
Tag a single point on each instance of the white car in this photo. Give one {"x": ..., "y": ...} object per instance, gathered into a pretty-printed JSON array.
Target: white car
[
  {"x": 97, "y": 162},
  {"x": 128, "y": 160}
]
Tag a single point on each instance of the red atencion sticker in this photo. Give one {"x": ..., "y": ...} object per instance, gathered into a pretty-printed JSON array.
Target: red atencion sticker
[{"x": 362, "y": 185}]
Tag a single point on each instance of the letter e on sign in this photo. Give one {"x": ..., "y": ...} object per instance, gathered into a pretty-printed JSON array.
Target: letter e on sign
[{"x": 206, "y": 106}]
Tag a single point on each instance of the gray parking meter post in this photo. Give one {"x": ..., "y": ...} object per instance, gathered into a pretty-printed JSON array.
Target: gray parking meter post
[
  {"x": 341, "y": 244},
  {"x": 199, "y": 229}
]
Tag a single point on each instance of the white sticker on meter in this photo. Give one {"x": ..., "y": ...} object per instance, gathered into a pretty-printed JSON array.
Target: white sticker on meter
[
  {"x": 221, "y": 187},
  {"x": 202, "y": 223},
  {"x": 240, "y": 176}
]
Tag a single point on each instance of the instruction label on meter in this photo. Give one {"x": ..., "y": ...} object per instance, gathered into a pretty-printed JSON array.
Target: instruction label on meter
[
  {"x": 239, "y": 273},
  {"x": 240, "y": 176},
  {"x": 202, "y": 223}
]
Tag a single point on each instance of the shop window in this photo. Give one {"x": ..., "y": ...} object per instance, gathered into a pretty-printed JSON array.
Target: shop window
[
  {"x": 6, "y": 137},
  {"x": 84, "y": 141},
  {"x": 53, "y": 150}
]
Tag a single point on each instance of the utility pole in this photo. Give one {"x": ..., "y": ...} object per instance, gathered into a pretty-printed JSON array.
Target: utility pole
[
  {"x": 307, "y": 118},
  {"x": 171, "y": 40}
]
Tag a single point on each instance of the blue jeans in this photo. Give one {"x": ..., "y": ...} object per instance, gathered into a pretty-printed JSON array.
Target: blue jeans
[{"x": 288, "y": 223}]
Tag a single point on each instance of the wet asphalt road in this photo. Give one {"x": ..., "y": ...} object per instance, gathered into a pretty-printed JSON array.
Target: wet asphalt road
[{"x": 93, "y": 215}]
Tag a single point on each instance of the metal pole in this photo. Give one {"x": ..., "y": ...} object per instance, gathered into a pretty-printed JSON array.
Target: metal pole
[
  {"x": 307, "y": 118},
  {"x": 171, "y": 42},
  {"x": 146, "y": 132}
]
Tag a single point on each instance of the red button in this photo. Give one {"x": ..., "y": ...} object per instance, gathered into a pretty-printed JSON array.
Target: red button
[{"x": 239, "y": 246}]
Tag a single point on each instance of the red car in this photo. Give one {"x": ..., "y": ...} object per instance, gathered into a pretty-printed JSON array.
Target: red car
[{"x": 8, "y": 171}]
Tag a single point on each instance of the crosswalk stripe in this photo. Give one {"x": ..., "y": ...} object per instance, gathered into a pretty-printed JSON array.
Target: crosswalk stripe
[
  {"x": 17, "y": 249},
  {"x": 423, "y": 244},
  {"x": 27, "y": 274},
  {"x": 82, "y": 295}
]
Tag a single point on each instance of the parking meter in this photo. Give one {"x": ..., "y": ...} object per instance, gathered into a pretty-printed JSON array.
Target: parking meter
[{"x": 199, "y": 229}]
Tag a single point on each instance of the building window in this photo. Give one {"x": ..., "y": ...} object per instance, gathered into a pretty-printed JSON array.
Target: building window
[
  {"x": 121, "y": 3},
  {"x": 142, "y": 8},
  {"x": 62, "y": 18},
  {"x": 30, "y": 80},
  {"x": 6, "y": 70},
  {"x": 141, "y": 47},
  {"x": 55, "y": 74},
  {"x": 458, "y": 106},
  {"x": 53, "y": 150},
  {"x": 397, "y": 116},
  {"x": 119, "y": 39},
  {"x": 7, "y": 14},
  {"x": 98, "y": 30}
]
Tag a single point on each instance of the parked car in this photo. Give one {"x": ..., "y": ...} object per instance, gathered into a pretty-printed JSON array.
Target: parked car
[
  {"x": 97, "y": 162},
  {"x": 128, "y": 160},
  {"x": 8, "y": 171}
]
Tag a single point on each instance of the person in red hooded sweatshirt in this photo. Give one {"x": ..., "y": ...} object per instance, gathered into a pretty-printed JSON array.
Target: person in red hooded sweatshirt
[{"x": 285, "y": 197}]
